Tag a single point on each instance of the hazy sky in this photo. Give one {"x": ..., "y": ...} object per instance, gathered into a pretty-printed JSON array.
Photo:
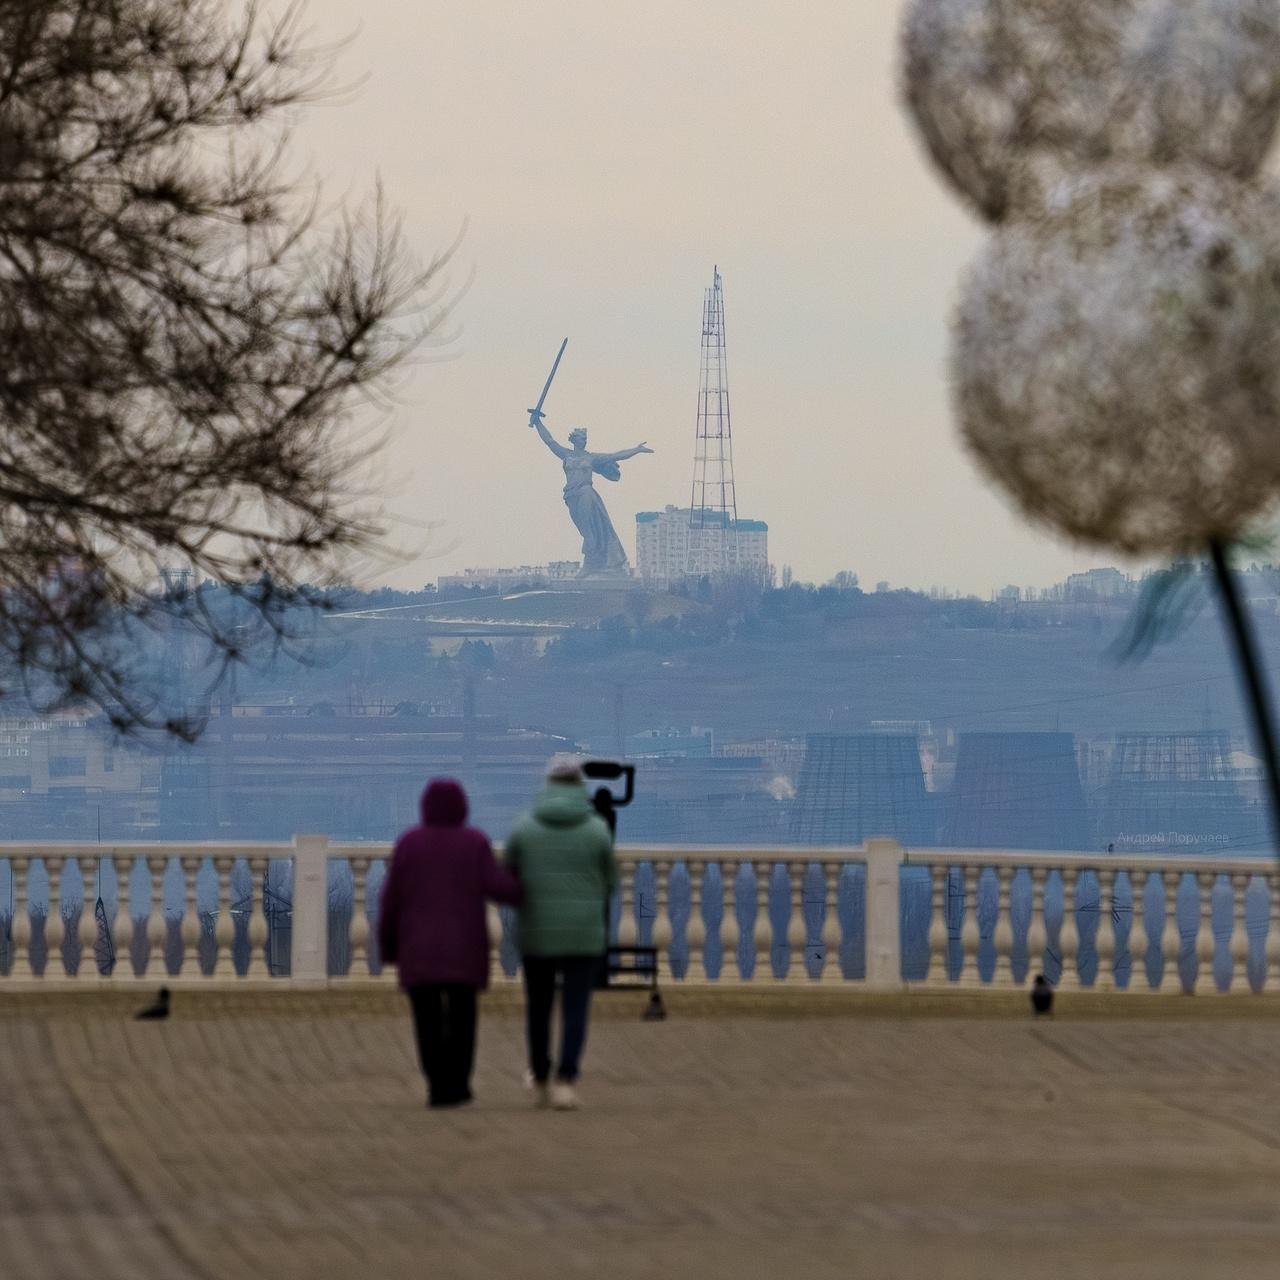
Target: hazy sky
[{"x": 605, "y": 157}]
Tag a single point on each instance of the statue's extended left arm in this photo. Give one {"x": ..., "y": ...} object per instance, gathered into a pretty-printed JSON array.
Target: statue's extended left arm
[{"x": 627, "y": 453}]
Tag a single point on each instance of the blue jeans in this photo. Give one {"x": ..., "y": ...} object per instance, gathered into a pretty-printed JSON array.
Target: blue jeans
[{"x": 577, "y": 974}]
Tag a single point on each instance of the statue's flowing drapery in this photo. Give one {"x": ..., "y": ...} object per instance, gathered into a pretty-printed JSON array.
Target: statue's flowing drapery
[{"x": 601, "y": 549}]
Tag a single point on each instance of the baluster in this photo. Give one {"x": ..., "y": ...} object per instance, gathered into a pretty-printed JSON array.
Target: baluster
[
  {"x": 970, "y": 937},
  {"x": 154, "y": 927},
  {"x": 190, "y": 928},
  {"x": 831, "y": 932},
  {"x": 696, "y": 932},
  {"x": 628, "y": 929},
  {"x": 1171, "y": 938},
  {"x": 257, "y": 967},
  {"x": 1139, "y": 943},
  {"x": 359, "y": 917},
  {"x": 122, "y": 926},
  {"x": 20, "y": 964},
  {"x": 1239, "y": 934},
  {"x": 87, "y": 933},
  {"x": 1069, "y": 935},
  {"x": 662, "y": 930},
  {"x": 55, "y": 929},
  {"x": 730, "y": 933},
  {"x": 1272, "y": 949},
  {"x": 224, "y": 929},
  {"x": 939, "y": 934},
  {"x": 1105, "y": 944},
  {"x": 1003, "y": 937},
  {"x": 1037, "y": 934},
  {"x": 1205, "y": 943},
  {"x": 763, "y": 927},
  {"x": 797, "y": 934}
]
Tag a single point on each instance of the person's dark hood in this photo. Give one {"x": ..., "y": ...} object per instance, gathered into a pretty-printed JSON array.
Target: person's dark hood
[{"x": 444, "y": 804}]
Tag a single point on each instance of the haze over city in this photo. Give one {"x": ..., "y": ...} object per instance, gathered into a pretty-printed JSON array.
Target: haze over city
[{"x": 602, "y": 160}]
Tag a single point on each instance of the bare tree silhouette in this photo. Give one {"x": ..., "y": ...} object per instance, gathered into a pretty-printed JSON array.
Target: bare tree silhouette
[{"x": 186, "y": 334}]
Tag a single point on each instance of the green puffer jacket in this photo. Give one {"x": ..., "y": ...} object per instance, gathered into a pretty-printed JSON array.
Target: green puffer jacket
[{"x": 563, "y": 854}]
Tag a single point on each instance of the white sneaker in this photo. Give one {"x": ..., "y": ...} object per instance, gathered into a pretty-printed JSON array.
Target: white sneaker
[
  {"x": 541, "y": 1092},
  {"x": 563, "y": 1097}
]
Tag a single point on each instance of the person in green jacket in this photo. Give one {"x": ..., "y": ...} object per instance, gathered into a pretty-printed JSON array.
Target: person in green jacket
[{"x": 563, "y": 854}]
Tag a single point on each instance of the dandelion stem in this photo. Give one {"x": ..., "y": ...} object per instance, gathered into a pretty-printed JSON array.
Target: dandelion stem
[{"x": 1246, "y": 647}]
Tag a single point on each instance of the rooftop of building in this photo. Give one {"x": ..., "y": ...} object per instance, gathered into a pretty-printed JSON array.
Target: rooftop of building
[{"x": 709, "y": 518}]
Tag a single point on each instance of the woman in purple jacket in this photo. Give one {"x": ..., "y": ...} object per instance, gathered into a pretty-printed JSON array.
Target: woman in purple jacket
[{"x": 431, "y": 924}]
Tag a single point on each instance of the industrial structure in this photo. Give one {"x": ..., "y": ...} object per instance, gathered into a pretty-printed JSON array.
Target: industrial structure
[
  {"x": 854, "y": 786},
  {"x": 705, "y": 539},
  {"x": 1016, "y": 791},
  {"x": 1179, "y": 792}
]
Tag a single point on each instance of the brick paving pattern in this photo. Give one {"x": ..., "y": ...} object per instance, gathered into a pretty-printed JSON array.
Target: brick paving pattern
[{"x": 248, "y": 1143}]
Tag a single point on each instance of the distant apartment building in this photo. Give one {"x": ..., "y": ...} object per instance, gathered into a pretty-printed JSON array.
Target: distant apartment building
[
  {"x": 670, "y": 547},
  {"x": 506, "y": 579},
  {"x": 1097, "y": 584}
]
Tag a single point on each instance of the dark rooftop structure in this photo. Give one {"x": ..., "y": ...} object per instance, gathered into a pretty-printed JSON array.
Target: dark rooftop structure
[
  {"x": 1016, "y": 791},
  {"x": 857, "y": 785}
]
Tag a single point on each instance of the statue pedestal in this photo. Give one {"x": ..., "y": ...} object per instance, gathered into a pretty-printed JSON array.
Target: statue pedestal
[{"x": 600, "y": 582}]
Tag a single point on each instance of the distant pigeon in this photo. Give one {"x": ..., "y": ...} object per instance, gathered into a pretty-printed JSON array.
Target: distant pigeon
[
  {"x": 1041, "y": 996},
  {"x": 158, "y": 1010}
]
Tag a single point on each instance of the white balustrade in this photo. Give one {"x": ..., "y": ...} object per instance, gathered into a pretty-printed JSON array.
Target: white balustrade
[{"x": 175, "y": 881}]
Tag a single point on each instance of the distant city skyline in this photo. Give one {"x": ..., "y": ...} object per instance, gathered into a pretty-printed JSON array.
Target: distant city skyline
[{"x": 653, "y": 143}]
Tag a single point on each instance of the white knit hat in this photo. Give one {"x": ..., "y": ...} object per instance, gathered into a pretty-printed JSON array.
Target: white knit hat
[{"x": 564, "y": 768}]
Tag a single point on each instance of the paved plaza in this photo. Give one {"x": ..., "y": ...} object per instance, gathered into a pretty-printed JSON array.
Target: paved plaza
[{"x": 287, "y": 1138}]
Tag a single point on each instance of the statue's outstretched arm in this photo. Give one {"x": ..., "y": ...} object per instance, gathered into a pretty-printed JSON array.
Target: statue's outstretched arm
[
  {"x": 628, "y": 453},
  {"x": 547, "y": 438}
]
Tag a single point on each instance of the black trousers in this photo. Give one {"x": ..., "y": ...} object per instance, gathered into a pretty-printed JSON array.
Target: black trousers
[
  {"x": 444, "y": 1018},
  {"x": 577, "y": 974}
]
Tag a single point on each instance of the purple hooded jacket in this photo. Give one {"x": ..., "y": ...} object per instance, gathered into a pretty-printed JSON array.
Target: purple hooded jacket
[{"x": 431, "y": 919}]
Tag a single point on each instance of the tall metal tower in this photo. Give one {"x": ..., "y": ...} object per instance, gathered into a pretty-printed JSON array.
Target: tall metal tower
[{"x": 714, "y": 502}]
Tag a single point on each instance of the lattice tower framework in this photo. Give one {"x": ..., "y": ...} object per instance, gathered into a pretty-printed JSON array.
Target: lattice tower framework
[{"x": 714, "y": 501}]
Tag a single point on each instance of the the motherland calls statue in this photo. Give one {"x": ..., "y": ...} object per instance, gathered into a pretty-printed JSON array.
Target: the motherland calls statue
[{"x": 602, "y": 552}]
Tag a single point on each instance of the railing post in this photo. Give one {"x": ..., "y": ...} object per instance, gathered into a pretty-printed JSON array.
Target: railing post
[
  {"x": 1239, "y": 934},
  {"x": 1037, "y": 934},
  {"x": 1205, "y": 942},
  {"x": 696, "y": 932},
  {"x": 190, "y": 927},
  {"x": 1272, "y": 949},
  {"x": 730, "y": 933},
  {"x": 1069, "y": 934},
  {"x": 156, "y": 928},
  {"x": 122, "y": 927},
  {"x": 20, "y": 925},
  {"x": 87, "y": 932},
  {"x": 1105, "y": 940},
  {"x": 55, "y": 930},
  {"x": 1003, "y": 938},
  {"x": 970, "y": 934},
  {"x": 257, "y": 967},
  {"x": 763, "y": 931},
  {"x": 628, "y": 927},
  {"x": 662, "y": 930},
  {"x": 310, "y": 950},
  {"x": 884, "y": 942},
  {"x": 1139, "y": 942},
  {"x": 831, "y": 932},
  {"x": 939, "y": 932},
  {"x": 797, "y": 934}
]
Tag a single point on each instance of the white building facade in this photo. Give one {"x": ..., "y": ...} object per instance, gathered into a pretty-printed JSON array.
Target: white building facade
[{"x": 670, "y": 548}]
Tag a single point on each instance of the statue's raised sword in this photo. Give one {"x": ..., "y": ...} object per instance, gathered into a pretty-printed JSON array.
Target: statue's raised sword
[{"x": 535, "y": 414}]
